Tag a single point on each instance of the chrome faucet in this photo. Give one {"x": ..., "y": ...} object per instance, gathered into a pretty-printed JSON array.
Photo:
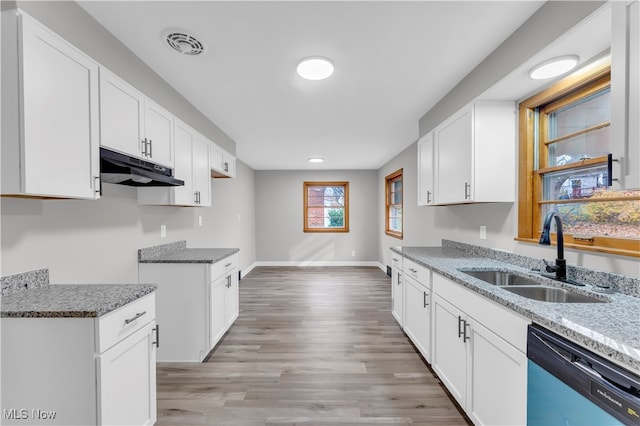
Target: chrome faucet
[{"x": 560, "y": 268}]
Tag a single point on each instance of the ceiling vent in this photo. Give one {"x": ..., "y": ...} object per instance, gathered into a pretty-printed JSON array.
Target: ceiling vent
[{"x": 184, "y": 43}]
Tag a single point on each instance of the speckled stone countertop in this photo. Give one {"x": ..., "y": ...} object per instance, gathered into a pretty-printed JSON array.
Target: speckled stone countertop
[
  {"x": 179, "y": 253},
  {"x": 66, "y": 300},
  {"x": 611, "y": 330}
]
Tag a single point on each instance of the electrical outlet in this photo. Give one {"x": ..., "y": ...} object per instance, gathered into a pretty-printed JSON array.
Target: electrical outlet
[
  {"x": 483, "y": 232},
  {"x": 163, "y": 231},
  {"x": 199, "y": 220}
]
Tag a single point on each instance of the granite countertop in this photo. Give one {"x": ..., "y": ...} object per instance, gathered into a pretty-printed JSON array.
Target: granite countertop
[
  {"x": 611, "y": 330},
  {"x": 71, "y": 300},
  {"x": 179, "y": 253}
]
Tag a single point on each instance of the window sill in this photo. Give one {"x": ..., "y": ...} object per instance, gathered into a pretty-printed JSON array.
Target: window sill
[
  {"x": 585, "y": 247},
  {"x": 394, "y": 234}
]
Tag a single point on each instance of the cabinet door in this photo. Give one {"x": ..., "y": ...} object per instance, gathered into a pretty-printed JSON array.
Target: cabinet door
[
  {"x": 201, "y": 171},
  {"x": 59, "y": 117},
  {"x": 453, "y": 160},
  {"x": 425, "y": 170},
  {"x": 449, "y": 348},
  {"x": 397, "y": 296},
  {"x": 121, "y": 115},
  {"x": 217, "y": 318},
  {"x": 127, "y": 381},
  {"x": 231, "y": 304},
  {"x": 625, "y": 93},
  {"x": 183, "y": 195},
  {"x": 498, "y": 380},
  {"x": 229, "y": 164},
  {"x": 416, "y": 317},
  {"x": 223, "y": 164},
  {"x": 158, "y": 133}
]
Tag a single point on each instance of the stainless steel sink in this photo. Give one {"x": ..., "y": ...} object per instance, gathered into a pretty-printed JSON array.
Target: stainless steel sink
[
  {"x": 553, "y": 294},
  {"x": 501, "y": 278}
]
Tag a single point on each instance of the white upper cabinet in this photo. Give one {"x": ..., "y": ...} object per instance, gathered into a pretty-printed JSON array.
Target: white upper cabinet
[
  {"x": 132, "y": 124},
  {"x": 223, "y": 164},
  {"x": 158, "y": 131},
  {"x": 425, "y": 170},
  {"x": 474, "y": 155},
  {"x": 201, "y": 170},
  {"x": 191, "y": 166},
  {"x": 50, "y": 140},
  {"x": 625, "y": 93},
  {"x": 121, "y": 115}
]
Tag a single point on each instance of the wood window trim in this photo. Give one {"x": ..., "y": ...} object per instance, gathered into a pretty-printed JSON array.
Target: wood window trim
[
  {"x": 387, "y": 181},
  {"x": 529, "y": 219},
  {"x": 305, "y": 215}
]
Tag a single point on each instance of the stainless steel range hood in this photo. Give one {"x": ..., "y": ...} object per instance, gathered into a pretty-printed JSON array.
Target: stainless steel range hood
[{"x": 122, "y": 169}]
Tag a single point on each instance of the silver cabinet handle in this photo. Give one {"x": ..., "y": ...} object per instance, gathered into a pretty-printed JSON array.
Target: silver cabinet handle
[
  {"x": 226, "y": 265},
  {"x": 467, "y": 191},
  {"x": 138, "y": 315},
  {"x": 145, "y": 145},
  {"x": 460, "y": 321},
  {"x": 157, "y": 330},
  {"x": 150, "y": 148},
  {"x": 413, "y": 270},
  {"x": 398, "y": 278},
  {"x": 226, "y": 166},
  {"x": 425, "y": 298},
  {"x": 97, "y": 185},
  {"x": 428, "y": 197},
  {"x": 464, "y": 334}
]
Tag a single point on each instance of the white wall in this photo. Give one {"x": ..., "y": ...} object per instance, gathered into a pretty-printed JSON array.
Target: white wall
[
  {"x": 83, "y": 241},
  {"x": 279, "y": 218}
]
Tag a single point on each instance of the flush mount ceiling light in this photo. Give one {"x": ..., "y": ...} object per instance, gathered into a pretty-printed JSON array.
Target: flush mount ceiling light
[
  {"x": 184, "y": 43},
  {"x": 315, "y": 68},
  {"x": 554, "y": 67},
  {"x": 316, "y": 160}
]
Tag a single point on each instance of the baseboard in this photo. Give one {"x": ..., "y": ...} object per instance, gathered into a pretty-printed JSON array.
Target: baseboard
[
  {"x": 246, "y": 271},
  {"x": 321, "y": 263}
]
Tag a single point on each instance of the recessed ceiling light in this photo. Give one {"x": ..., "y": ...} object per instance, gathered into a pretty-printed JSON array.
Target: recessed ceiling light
[
  {"x": 554, "y": 67},
  {"x": 315, "y": 68},
  {"x": 316, "y": 160}
]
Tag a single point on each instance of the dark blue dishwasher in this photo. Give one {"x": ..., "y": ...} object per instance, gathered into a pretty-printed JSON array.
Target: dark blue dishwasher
[{"x": 569, "y": 385}]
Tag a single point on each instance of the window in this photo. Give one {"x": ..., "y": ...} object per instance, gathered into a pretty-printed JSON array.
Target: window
[
  {"x": 393, "y": 207},
  {"x": 565, "y": 166},
  {"x": 326, "y": 207}
]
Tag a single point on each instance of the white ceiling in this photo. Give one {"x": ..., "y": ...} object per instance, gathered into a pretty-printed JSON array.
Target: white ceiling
[{"x": 394, "y": 61}]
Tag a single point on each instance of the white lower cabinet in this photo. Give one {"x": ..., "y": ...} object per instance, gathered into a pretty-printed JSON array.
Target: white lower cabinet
[
  {"x": 479, "y": 353},
  {"x": 417, "y": 315},
  {"x": 195, "y": 304},
  {"x": 397, "y": 295},
  {"x": 127, "y": 382},
  {"x": 81, "y": 371}
]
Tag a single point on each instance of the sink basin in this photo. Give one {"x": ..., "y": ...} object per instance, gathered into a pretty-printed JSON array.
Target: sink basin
[
  {"x": 501, "y": 278},
  {"x": 552, "y": 294}
]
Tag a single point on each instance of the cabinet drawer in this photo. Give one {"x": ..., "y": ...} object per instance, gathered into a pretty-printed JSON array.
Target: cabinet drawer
[
  {"x": 396, "y": 260},
  {"x": 222, "y": 267},
  {"x": 417, "y": 272},
  {"x": 124, "y": 321}
]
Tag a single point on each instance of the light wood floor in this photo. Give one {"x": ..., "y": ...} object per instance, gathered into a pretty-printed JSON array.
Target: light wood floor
[{"x": 311, "y": 346}]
